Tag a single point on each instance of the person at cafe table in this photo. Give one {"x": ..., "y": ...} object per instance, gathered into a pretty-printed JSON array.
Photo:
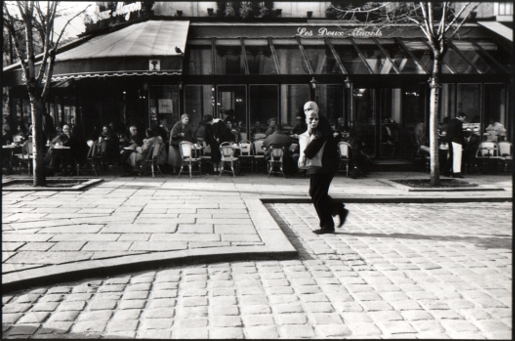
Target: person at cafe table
[
  {"x": 129, "y": 143},
  {"x": 58, "y": 160}
]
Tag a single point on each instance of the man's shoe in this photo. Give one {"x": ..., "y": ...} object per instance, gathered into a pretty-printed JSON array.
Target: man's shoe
[
  {"x": 323, "y": 231},
  {"x": 457, "y": 176},
  {"x": 342, "y": 213}
]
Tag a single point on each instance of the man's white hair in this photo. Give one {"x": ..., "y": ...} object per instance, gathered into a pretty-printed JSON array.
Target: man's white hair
[{"x": 313, "y": 103}]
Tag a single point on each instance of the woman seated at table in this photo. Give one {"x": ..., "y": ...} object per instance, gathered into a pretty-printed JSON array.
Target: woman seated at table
[
  {"x": 140, "y": 153},
  {"x": 109, "y": 142}
]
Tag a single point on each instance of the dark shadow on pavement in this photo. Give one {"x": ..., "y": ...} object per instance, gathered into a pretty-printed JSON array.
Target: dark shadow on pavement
[
  {"x": 290, "y": 234},
  {"x": 484, "y": 242}
]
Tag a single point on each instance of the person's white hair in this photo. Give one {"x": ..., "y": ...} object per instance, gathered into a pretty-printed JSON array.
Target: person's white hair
[{"x": 311, "y": 104}]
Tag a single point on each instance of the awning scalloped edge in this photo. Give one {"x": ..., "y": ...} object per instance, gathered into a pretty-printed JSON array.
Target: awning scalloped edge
[{"x": 114, "y": 74}]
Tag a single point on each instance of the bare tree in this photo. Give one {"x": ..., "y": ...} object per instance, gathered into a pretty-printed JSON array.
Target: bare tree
[
  {"x": 440, "y": 23},
  {"x": 38, "y": 20}
]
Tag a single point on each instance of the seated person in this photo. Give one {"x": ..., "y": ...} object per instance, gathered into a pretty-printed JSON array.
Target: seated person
[
  {"x": 271, "y": 126},
  {"x": 342, "y": 133},
  {"x": 200, "y": 132},
  {"x": 7, "y": 136},
  {"x": 140, "y": 152},
  {"x": 494, "y": 130},
  {"x": 360, "y": 163},
  {"x": 257, "y": 129},
  {"x": 70, "y": 139},
  {"x": 421, "y": 138},
  {"x": 21, "y": 134},
  {"x": 299, "y": 127},
  {"x": 129, "y": 143},
  {"x": 233, "y": 131},
  {"x": 471, "y": 143},
  {"x": 279, "y": 138},
  {"x": 109, "y": 142}
]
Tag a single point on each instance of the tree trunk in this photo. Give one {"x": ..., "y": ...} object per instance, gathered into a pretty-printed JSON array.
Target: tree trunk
[
  {"x": 434, "y": 99},
  {"x": 37, "y": 107}
]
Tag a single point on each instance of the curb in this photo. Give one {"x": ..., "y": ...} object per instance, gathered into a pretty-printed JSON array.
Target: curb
[
  {"x": 277, "y": 247},
  {"x": 389, "y": 200},
  {"x": 80, "y": 187}
]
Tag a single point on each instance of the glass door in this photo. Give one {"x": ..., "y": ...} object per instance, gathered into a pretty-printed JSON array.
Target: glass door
[
  {"x": 389, "y": 123},
  {"x": 232, "y": 105}
]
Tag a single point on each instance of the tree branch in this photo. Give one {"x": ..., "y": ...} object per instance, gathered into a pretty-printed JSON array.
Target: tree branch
[
  {"x": 9, "y": 23},
  {"x": 425, "y": 16},
  {"x": 462, "y": 21},
  {"x": 442, "y": 21},
  {"x": 48, "y": 21},
  {"x": 430, "y": 17}
]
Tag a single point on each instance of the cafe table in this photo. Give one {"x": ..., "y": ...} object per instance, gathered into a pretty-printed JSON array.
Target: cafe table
[{"x": 8, "y": 152}]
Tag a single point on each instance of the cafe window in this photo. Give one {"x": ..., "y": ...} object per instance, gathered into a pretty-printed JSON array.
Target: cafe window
[
  {"x": 414, "y": 105},
  {"x": 263, "y": 103},
  {"x": 293, "y": 98},
  {"x": 164, "y": 104},
  {"x": 469, "y": 100},
  {"x": 349, "y": 57},
  {"x": 229, "y": 57},
  {"x": 289, "y": 55},
  {"x": 495, "y": 104},
  {"x": 404, "y": 62},
  {"x": 259, "y": 57},
  {"x": 455, "y": 61},
  {"x": 320, "y": 57},
  {"x": 199, "y": 101},
  {"x": 374, "y": 57},
  {"x": 25, "y": 111},
  {"x": 477, "y": 56},
  {"x": 447, "y": 102},
  {"x": 501, "y": 55},
  {"x": 424, "y": 55},
  {"x": 199, "y": 60},
  {"x": 329, "y": 98}
]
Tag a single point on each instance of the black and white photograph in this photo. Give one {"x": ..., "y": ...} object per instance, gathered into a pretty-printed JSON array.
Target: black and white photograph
[{"x": 257, "y": 170}]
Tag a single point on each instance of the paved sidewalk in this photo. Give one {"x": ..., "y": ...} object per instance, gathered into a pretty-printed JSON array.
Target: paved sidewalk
[
  {"x": 394, "y": 271},
  {"x": 50, "y": 235}
]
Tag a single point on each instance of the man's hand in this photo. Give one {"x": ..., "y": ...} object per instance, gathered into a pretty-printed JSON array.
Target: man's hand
[{"x": 302, "y": 160}]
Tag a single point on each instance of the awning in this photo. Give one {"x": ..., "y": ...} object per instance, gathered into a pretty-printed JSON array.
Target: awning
[
  {"x": 497, "y": 27},
  {"x": 153, "y": 47}
]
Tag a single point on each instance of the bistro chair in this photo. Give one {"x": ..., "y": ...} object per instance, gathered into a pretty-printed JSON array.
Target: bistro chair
[
  {"x": 189, "y": 158},
  {"x": 487, "y": 152},
  {"x": 227, "y": 151},
  {"x": 259, "y": 153},
  {"x": 246, "y": 155},
  {"x": 27, "y": 156},
  {"x": 344, "y": 150},
  {"x": 276, "y": 161},
  {"x": 259, "y": 136},
  {"x": 91, "y": 158},
  {"x": 151, "y": 160},
  {"x": 505, "y": 153}
]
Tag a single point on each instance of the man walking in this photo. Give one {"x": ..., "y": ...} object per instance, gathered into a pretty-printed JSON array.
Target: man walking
[
  {"x": 321, "y": 140},
  {"x": 454, "y": 138}
]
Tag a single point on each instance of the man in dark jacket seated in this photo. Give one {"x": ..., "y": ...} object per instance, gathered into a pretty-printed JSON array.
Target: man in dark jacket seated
[
  {"x": 130, "y": 142},
  {"x": 279, "y": 138},
  {"x": 59, "y": 159}
]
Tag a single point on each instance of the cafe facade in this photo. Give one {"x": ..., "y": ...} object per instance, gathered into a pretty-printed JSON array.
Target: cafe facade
[{"x": 374, "y": 77}]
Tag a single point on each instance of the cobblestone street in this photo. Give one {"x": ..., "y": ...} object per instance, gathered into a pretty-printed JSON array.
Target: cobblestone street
[{"x": 441, "y": 270}]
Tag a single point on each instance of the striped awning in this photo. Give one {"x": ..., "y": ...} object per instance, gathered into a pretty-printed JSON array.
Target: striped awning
[{"x": 153, "y": 47}]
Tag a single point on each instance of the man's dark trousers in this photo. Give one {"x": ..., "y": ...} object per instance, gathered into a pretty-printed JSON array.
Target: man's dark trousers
[{"x": 325, "y": 206}]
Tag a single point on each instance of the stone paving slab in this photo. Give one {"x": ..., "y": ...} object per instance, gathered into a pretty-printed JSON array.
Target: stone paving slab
[
  {"x": 127, "y": 218},
  {"x": 394, "y": 271}
]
